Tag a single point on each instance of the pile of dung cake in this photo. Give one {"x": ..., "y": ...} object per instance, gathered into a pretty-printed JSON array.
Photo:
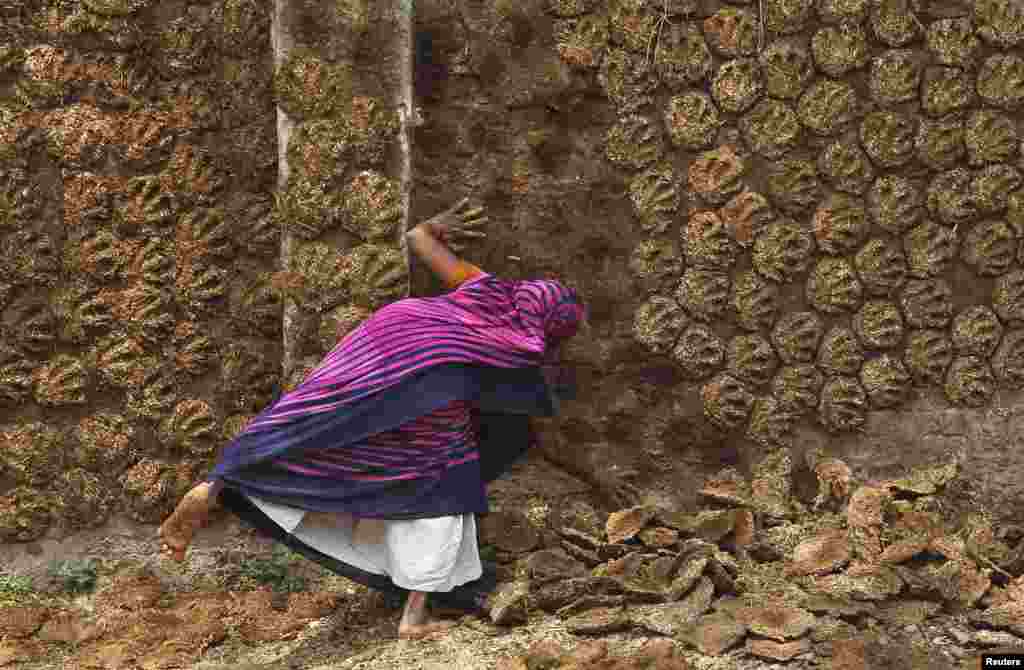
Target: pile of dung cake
[{"x": 758, "y": 573}]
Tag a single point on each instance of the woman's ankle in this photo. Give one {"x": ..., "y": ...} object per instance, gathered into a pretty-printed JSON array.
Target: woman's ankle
[{"x": 415, "y": 611}]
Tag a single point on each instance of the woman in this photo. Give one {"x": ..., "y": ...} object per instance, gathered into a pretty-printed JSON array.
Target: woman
[{"x": 376, "y": 465}]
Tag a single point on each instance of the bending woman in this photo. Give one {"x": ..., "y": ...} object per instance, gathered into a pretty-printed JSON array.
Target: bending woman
[{"x": 376, "y": 464}]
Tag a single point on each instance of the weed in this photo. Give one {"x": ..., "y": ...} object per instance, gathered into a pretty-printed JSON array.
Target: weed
[
  {"x": 274, "y": 571},
  {"x": 15, "y": 588},
  {"x": 76, "y": 575}
]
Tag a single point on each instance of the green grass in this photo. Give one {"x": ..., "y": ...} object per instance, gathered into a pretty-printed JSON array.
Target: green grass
[
  {"x": 15, "y": 589},
  {"x": 274, "y": 571},
  {"x": 75, "y": 575}
]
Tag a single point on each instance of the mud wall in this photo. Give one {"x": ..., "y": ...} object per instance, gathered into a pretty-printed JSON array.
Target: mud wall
[
  {"x": 198, "y": 199},
  {"x": 799, "y": 233},
  {"x": 138, "y": 326}
]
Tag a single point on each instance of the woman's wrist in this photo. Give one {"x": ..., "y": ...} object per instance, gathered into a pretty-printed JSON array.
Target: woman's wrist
[
  {"x": 422, "y": 228},
  {"x": 430, "y": 228}
]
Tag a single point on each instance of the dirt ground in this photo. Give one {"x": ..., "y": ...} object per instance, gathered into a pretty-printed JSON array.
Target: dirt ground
[
  {"x": 201, "y": 615},
  {"x": 207, "y": 614}
]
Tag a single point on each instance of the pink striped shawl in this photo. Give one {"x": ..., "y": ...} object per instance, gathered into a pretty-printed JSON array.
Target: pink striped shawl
[{"x": 486, "y": 321}]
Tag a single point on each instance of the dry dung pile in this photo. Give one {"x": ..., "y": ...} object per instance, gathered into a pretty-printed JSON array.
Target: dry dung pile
[{"x": 756, "y": 572}]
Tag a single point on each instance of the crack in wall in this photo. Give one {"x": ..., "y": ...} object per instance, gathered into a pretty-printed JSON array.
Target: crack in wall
[
  {"x": 396, "y": 55},
  {"x": 282, "y": 43},
  {"x": 407, "y": 117}
]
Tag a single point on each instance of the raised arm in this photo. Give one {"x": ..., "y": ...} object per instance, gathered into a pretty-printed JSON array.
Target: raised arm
[{"x": 431, "y": 239}]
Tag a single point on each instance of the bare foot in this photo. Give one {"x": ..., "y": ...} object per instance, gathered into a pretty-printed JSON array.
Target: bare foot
[
  {"x": 189, "y": 516},
  {"x": 418, "y": 631}
]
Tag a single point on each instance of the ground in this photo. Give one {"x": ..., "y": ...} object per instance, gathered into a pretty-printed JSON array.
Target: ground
[{"x": 240, "y": 602}]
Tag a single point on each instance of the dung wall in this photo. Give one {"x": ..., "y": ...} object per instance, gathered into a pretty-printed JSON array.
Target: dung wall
[
  {"x": 797, "y": 233},
  {"x": 139, "y": 330}
]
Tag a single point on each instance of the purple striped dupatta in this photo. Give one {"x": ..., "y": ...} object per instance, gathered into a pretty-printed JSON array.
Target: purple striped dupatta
[{"x": 483, "y": 343}]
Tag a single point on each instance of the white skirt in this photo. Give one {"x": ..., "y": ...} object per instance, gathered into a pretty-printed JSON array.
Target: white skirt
[{"x": 418, "y": 555}]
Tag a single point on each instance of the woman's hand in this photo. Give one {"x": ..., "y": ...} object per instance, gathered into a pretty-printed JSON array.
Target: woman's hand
[
  {"x": 459, "y": 225},
  {"x": 435, "y": 240}
]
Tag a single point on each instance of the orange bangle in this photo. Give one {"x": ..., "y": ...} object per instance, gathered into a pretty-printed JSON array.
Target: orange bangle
[{"x": 464, "y": 272}]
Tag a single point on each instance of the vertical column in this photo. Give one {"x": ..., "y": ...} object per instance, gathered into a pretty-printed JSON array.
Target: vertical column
[
  {"x": 407, "y": 113},
  {"x": 282, "y": 45},
  {"x": 343, "y": 86}
]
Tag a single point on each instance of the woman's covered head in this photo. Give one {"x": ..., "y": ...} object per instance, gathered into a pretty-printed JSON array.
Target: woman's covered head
[
  {"x": 563, "y": 319},
  {"x": 551, "y": 307}
]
